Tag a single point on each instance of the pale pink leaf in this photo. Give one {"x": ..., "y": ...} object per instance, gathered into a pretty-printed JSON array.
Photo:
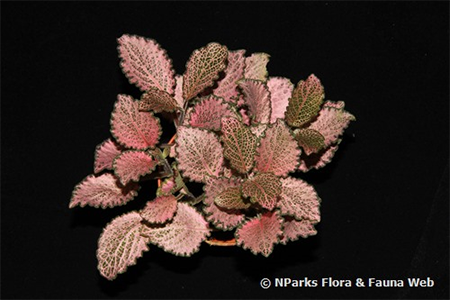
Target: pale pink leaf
[
  {"x": 264, "y": 189},
  {"x": 239, "y": 144},
  {"x": 120, "y": 245},
  {"x": 227, "y": 87},
  {"x": 280, "y": 89},
  {"x": 299, "y": 199},
  {"x": 305, "y": 102},
  {"x": 160, "y": 210},
  {"x": 203, "y": 69},
  {"x": 278, "y": 152},
  {"x": 145, "y": 63},
  {"x": 183, "y": 235},
  {"x": 227, "y": 172},
  {"x": 199, "y": 153},
  {"x": 131, "y": 165},
  {"x": 133, "y": 128},
  {"x": 293, "y": 229},
  {"x": 332, "y": 121},
  {"x": 102, "y": 191},
  {"x": 256, "y": 66},
  {"x": 105, "y": 153},
  {"x": 258, "y": 129},
  {"x": 224, "y": 219},
  {"x": 317, "y": 160},
  {"x": 257, "y": 98},
  {"x": 179, "y": 90},
  {"x": 260, "y": 234},
  {"x": 310, "y": 140},
  {"x": 208, "y": 112},
  {"x": 157, "y": 101},
  {"x": 231, "y": 198}
]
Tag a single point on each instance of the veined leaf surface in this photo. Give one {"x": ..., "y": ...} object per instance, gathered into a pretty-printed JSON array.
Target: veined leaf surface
[
  {"x": 305, "y": 102},
  {"x": 120, "y": 245},
  {"x": 199, "y": 153},
  {"x": 278, "y": 152},
  {"x": 133, "y": 128},
  {"x": 183, "y": 235},
  {"x": 145, "y": 63},
  {"x": 102, "y": 191},
  {"x": 239, "y": 144},
  {"x": 203, "y": 69},
  {"x": 260, "y": 234}
]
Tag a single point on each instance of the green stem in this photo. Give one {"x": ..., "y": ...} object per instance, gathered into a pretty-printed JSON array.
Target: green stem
[{"x": 159, "y": 156}]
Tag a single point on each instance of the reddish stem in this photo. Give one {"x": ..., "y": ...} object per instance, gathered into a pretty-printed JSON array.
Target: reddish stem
[{"x": 216, "y": 242}]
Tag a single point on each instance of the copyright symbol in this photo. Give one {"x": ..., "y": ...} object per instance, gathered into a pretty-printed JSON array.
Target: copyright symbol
[{"x": 265, "y": 283}]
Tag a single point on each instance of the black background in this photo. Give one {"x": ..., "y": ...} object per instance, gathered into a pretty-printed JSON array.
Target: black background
[{"x": 385, "y": 195}]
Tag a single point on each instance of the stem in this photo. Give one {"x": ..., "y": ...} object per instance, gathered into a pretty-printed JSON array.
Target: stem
[
  {"x": 159, "y": 156},
  {"x": 216, "y": 242},
  {"x": 172, "y": 140},
  {"x": 183, "y": 112}
]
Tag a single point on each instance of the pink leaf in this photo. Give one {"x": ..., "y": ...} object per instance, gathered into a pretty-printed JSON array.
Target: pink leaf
[
  {"x": 227, "y": 87},
  {"x": 208, "y": 112},
  {"x": 105, "y": 154},
  {"x": 168, "y": 186},
  {"x": 157, "y": 101},
  {"x": 260, "y": 234},
  {"x": 305, "y": 102},
  {"x": 278, "y": 151},
  {"x": 145, "y": 63},
  {"x": 245, "y": 118},
  {"x": 264, "y": 189},
  {"x": 280, "y": 89},
  {"x": 317, "y": 160},
  {"x": 220, "y": 218},
  {"x": 179, "y": 90},
  {"x": 199, "y": 153},
  {"x": 120, "y": 245},
  {"x": 293, "y": 229},
  {"x": 131, "y": 165},
  {"x": 102, "y": 191},
  {"x": 299, "y": 199},
  {"x": 332, "y": 121},
  {"x": 203, "y": 69},
  {"x": 231, "y": 198},
  {"x": 133, "y": 128},
  {"x": 183, "y": 235},
  {"x": 255, "y": 66},
  {"x": 257, "y": 98},
  {"x": 160, "y": 210},
  {"x": 310, "y": 140},
  {"x": 240, "y": 102},
  {"x": 239, "y": 144}
]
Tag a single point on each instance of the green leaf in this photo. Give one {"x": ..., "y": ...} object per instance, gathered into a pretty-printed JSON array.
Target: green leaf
[
  {"x": 203, "y": 69},
  {"x": 157, "y": 101},
  {"x": 239, "y": 144},
  {"x": 264, "y": 189},
  {"x": 310, "y": 140},
  {"x": 231, "y": 199},
  {"x": 305, "y": 102}
]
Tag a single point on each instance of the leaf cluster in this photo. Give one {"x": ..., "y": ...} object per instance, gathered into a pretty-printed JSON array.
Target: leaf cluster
[{"x": 239, "y": 132}]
